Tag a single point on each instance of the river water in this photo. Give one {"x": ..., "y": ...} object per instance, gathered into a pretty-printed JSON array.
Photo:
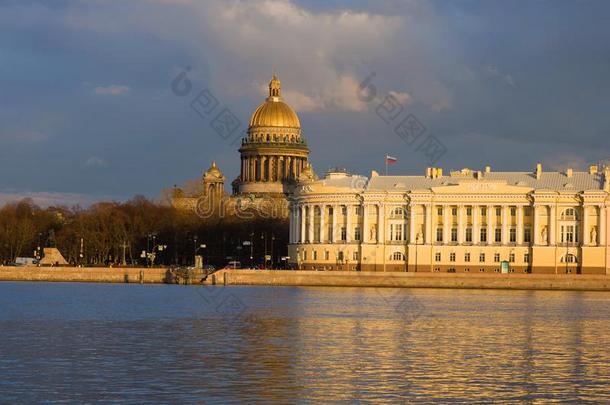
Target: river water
[{"x": 79, "y": 343}]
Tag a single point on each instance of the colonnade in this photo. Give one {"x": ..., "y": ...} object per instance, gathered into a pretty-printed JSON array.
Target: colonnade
[
  {"x": 349, "y": 223},
  {"x": 271, "y": 167}
]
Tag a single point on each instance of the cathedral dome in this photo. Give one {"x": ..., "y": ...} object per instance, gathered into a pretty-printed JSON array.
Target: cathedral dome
[
  {"x": 213, "y": 172},
  {"x": 274, "y": 112}
]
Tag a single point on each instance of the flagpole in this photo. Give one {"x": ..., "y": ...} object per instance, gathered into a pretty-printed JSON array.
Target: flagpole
[{"x": 386, "y": 165}]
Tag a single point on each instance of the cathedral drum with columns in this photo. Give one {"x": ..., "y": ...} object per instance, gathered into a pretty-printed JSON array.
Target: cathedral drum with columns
[
  {"x": 465, "y": 222},
  {"x": 273, "y": 154}
]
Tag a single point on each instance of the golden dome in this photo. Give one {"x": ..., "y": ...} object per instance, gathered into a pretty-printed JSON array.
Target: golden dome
[
  {"x": 274, "y": 112},
  {"x": 213, "y": 171}
]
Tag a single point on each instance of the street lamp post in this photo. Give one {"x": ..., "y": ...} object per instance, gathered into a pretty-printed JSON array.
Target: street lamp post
[
  {"x": 251, "y": 249},
  {"x": 272, "y": 240}
]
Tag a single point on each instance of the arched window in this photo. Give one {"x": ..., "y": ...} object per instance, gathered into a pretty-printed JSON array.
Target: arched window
[
  {"x": 569, "y": 214},
  {"x": 398, "y": 213},
  {"x": 397, "y": 256},
  {"x": 569, "y": 258}
]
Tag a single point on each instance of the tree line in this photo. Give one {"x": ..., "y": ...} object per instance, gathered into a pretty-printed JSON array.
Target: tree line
[{"x": 123, "y": 232}]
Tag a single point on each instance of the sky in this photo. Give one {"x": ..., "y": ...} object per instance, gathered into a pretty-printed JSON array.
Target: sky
[{"x": 88, "y": 111}]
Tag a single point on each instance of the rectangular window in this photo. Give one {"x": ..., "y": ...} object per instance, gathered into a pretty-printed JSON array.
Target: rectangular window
[
  {"x": 451, "y": 257},
  {"x": 513, "y": 235},
  {"x": 357, "y": 233},
  {"x": 439, "y": 234},
  {"x": 356, "y": 256},
  {"x": 437, "y": 257},
  {"x": 467, "y": 257},
  {"x": 498, "y": 212},
  {"x": 315, "y": 255},
  {"x": 454, "y": 212},
  {"x": 482, "y": 257},
  {"x": 498, "y": 238},
  {"x": 497, "y": 257},
  {"x": 513, "y": 211},
  {"x": 483, "y": 211},
  {"x": 484, "y": 235},
  {"x": 398, "y": 229},
  {"x": 468, "y": 211},
  {"x": 526, "y": 257},
  {"x": 453, "y": 234},
  {"x": 305, "y": 255},
  {"x": 326, "y": 255},
  {"x": 358, "y": 210},
  {"x": 343, "y": 233},
  {"x": 511, "y": 258},
  {"x": 527, "y": 211},
  {"x": 527, "y": 235},
  {"x": 340, "y": 256},
  {"x": 344, "y": 210},
  {"x": 469, "y": 235},
  {"x": 567, "y": 234},
  {"x": 439, "y": 211}
]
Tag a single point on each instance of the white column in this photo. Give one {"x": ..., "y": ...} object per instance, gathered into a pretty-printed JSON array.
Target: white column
[
  {"x": 348, "y": 222},
  {"x": 428, "y": 225},
  {"x": 601, "y": 231},
  {"x": 322, "y": 223},
  {"x": 552, "y": 230},
  {"x": 520, "y": 227},
  {"x": 364, "y": 232},
  {"x": 490, "y": 225},
  {"x": 475, "y": 224},
  {"x": 505, "y": 224},
  {"x": 381, "y": 224},
  {"x": 446, "y": 224},
  {"x": 292, "y": 224},
  {"x": 412, "y": 221},
  {"x": 535, "y": 226},
  {"x": 585, "y": 225},
  {"x": 333, "y": 236},
  {"x": 303, "y": 222},
  {"x": 460, "y": 231},
  {"x": 311, "y": 216}
]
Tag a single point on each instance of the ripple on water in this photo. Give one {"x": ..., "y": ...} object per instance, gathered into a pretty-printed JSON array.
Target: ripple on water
[{"x": 135, "y": 344}]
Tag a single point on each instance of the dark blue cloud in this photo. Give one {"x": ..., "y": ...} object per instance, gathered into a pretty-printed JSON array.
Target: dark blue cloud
[{"x": 501, "y": 83}]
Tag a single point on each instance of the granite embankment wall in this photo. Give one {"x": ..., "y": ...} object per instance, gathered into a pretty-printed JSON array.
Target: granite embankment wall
[
  {"x": 85, "y": 274},
  {"x": 315, "y": 278},
  {"x": 412, "y": 280}
]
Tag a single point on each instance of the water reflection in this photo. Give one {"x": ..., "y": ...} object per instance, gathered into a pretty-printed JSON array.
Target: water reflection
[{"x": 181, "y": 344}]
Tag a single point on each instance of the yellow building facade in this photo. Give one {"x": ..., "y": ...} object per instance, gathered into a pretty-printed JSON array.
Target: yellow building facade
[{"x": 466, "y": 221}]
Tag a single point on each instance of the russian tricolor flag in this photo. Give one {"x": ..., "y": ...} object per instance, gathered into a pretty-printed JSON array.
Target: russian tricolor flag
[{"x": 390, "y": 160}]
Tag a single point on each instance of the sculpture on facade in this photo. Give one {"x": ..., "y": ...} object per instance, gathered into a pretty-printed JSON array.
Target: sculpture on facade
[
  {"x": 373, "y": 233},
  {"x": 543, "y": 235},
  {"x": 593, "y": 235}
]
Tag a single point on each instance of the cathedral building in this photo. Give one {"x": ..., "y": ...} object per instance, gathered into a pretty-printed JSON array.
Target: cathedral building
[
  {"x": 467, "y": 221},
  {"x": 274, "y": 158},
  {"x": 274, "y": 152}
]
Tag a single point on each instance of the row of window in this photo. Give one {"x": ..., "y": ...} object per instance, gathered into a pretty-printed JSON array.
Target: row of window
[
  {"x": 512, "y": 235},
  {"x": 482, "y": 257},
  {"x": 399, "y": 256},
  {"x": 340, "y": 255},
  {"x": 402, "y": 213},
  {"x": 527, "y": 211}
]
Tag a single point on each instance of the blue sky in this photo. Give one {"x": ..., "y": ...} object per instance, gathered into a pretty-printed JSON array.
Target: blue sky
[{"x": 87, "y": 111}]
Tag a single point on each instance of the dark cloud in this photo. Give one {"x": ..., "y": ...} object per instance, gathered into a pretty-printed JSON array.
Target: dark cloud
[{"x": 87, "y": 106}]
